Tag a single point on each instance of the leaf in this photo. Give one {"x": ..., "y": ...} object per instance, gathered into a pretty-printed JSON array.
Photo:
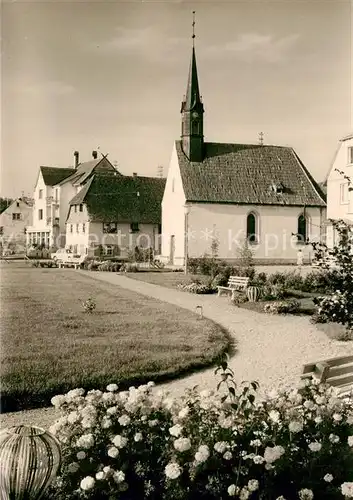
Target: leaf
[
  {"x": 232, "y": 390},
  {"x": 223, "y": 398}
]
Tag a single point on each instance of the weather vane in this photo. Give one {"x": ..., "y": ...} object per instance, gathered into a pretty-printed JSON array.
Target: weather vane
[{"x": 193, "y": 26}]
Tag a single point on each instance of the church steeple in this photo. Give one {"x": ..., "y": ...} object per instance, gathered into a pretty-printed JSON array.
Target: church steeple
[{"x": 192, "y": 113}]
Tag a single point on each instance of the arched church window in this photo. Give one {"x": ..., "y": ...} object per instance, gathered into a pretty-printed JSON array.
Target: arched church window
[
  {"x": 302, "y": 229},
  {"x": 251, "y": 229},
  {"x": 195, "y": 128}
]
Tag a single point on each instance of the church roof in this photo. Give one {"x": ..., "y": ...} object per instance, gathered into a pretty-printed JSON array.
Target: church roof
[
  {"x": 192, "y": 96},
  {"x": 54, "y": 175},
  {"x": 123, "y": 199},
  {"x": 248, "y": 174}
]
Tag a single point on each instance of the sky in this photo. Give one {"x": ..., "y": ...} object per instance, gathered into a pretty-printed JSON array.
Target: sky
[{"x": 111, "y": 75}]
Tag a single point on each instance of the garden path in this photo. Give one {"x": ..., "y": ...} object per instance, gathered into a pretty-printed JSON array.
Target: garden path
[{"x": 270, "y": 348}]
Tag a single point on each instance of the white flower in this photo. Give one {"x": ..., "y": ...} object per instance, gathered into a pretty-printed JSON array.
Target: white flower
[
  {"x": 108, "y": 397},
  {"x": 73, "y": 467},
  {"x": 108, "y": 471},
  {"x": 347, "y": 490},
  {"x": 253, "y": 485},
  {"x": 58, "y": 400},
  {"x": 280, "y": 498},
  {"x": 112, "y": 387},
  {"x": 295, "y": 426},
  {"x": 333, "y": 438},
  {"x": 119, "y": 441},
  {"x": 106, "y": 423},
  {"x": 175, "y": 430},
  {"x": 81, "y": 455},
  {"x": 255, "y": 442},
  {"x": 228, "y": 455},
  {"x": 315, "y": 446},
  {"x": 124, "y": 420},
  {"x": 88, "y": 422},
  {"x": 232, "y": 489},
  {"x": 244, "y": 494},
  {"x": 183, "y": 412},
  {"x": 274, "y": 415},
  {"x": 150, "y": 384},
  {"x": 153, "y": 423},
  {"x": 318, "y": 419},
  {"x": 74, "y": 393},
  {"x": 86, "y": 441},
  {"x": 119, "y": 476},
  {"x": 182, "y": 444},
  {"x": 306, "y": 494},
  {"x": 112, "y": 410},
  {"x": 87, "y": 483},
  {"x": 100, "y": 476},
  {"x": 113, "y": 452},
  {"x": 309, "y": 404},
  {"x": 350, "y": 441},
  {"x": 138, "y": 437},
  {"x": 73, "y": 417},
  {"x": 337, "y": 417},
  {"x": 202, "y": 454},
  {"x": 273, "y": 453},
  {"x": 328, "y": 478},
  {"x": 258, "y": 459},
  {"x": 172, "y": 470},
  {"x": 221, "y": 446}
]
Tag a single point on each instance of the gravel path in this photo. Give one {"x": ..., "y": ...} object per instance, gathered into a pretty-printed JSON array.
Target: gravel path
[{"x": 270, "y": 348}]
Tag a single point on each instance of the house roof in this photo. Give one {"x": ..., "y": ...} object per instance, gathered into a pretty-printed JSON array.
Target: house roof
[
  {"x": 54, "y": 175},
  {"x": 85, "y": 170},
  {"x": 244, "y": 174},
  {"x": 123, "y": 198}
]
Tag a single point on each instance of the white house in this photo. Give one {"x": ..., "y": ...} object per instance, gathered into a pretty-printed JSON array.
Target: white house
[
  {"x": 111, "y": 215},
  {"x": 54, "y": 189},
  {"x": 219, "y": 195},
  {"x": 339, "y": 196},
  {"x": 13, "y": 223}
]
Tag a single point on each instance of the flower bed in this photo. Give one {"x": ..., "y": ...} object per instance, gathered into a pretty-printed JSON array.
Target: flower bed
[
  {"x": 142, "y": 444},
  {"x": 195, "y": 287}
]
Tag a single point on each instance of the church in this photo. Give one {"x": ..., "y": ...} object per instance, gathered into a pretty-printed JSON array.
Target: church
[{"x": 221, "y": 197}]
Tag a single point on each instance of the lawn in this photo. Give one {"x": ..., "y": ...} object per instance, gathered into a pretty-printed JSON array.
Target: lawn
[
  {"x": 50, "y": 345},
  {"x": 167, "y": 279}
]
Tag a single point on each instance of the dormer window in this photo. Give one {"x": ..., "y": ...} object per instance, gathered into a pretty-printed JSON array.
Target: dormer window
[{"x": 277, "y": 188}]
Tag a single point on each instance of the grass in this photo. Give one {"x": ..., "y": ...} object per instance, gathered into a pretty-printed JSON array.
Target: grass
[
  {"x": 50, "y": 345},
  {"x": 306, "y": 306},
  {"x": 167, "y": 279}
]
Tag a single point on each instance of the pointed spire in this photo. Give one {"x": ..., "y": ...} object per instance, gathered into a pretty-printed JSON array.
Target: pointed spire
[{"x": 192, "y": 97}]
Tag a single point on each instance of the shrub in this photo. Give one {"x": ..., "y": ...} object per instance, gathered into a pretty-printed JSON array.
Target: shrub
[
  {"x": 294, "y": 280},
  {"x": 283, "y": 307},
  {"x": 273, "y": 292},
  {"x": 89, "y": 305},
  {"x": 277, "y": 278},
  {"x": 220, "y": 279},
  {"x": 35, "y": 263},
  {"x": 239, "y": 298},
  {"x": 196, "y": 287},
  {"x": 335, "y": 308},
  {"x": 129, "y": 268},
  {"x": 144, "y": 444}
]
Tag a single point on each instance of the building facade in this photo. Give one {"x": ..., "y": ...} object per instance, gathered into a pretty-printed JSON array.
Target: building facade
[
  {"x": 14, "y": 221},
  {"x": 339, "y": 195}
]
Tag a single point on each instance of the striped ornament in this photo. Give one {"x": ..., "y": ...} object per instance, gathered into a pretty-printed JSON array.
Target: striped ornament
[
  {"x": 253, "y": 293},
  {"x": 30, "y": 458}
]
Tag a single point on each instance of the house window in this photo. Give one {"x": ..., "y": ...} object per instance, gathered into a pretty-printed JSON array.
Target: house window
[
  {"x": 56, "y": 195},
  {"x": 71, "y": 228},
  {"x": 17, "y": 204},
  {"x": 81, "y": 207},
  {"x": 302, "y": 229},
  {"x": 16, "y": 216},
  {"x": 40, "y": 194},
  {"x": 344, "y": 193},
  {"x": 251, "y": 232},
  {"x": 83, "y": 227},
  {"x": 77, "y": 228},
  {"x": 75, "y": 208},
  {"x": 350, "y": 154},
  {"x": 110, "y": 227},
  {"x": 40, "y": 214},
  {"x": 159, "y": 228},
  {"x": 134, "y": 227},
  {"x": 1, "y": 230},
  {"x": 108, "y": 250}
]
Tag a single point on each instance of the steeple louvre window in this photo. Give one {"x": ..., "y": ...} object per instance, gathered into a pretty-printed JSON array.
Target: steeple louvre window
[{"x": 195, "y": 127}]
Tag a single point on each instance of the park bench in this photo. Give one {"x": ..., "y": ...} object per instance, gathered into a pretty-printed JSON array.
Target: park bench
[
  {"x": 337, "y": 372},
  {"x": 73, "y": 262},
  {"x": 235, "y": 283}
]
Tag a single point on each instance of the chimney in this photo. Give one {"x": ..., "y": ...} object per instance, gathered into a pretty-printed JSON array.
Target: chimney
[
  {"x": 94, "y": 155},
  {"x": 134, "y": 174},
  {"x": 76, "y": 155}
]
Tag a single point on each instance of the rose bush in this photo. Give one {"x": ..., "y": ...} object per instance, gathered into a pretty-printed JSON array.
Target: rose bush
[{"x": 143, "y": 444}]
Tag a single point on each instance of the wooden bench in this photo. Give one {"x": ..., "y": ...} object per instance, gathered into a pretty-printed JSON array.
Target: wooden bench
[
  {"x": 235, "y": 283},
  {"x": 72, "y": 263},
  {"x": 337, "y": 372}
]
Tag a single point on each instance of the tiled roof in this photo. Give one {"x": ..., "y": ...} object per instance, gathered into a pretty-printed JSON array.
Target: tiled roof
[
  {"x": 123, "y": 198},
  {"x": 54, "y": 175},
  {"x": 84, "y": 170},
  {"x": 244, "y": 174}
]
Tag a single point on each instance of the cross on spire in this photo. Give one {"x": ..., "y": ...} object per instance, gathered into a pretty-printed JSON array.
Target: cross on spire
[
  {"x": 193, "y": 27},
  {"x": 261, "y": 138}
]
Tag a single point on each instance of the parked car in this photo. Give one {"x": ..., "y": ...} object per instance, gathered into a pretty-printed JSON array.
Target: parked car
[{"x": 63, "y": 254}]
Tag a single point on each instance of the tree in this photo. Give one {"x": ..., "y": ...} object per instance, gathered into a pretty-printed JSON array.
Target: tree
[{"x": 4, "y": 203}]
